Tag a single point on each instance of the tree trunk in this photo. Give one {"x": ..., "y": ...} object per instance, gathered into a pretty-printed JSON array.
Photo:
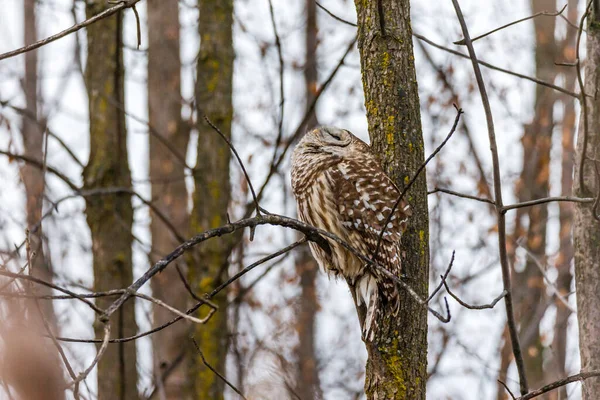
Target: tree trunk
[
  {"x": 308, "y": 385},
  {"x": 212, "y": 195},
  {"x": 586, "y": 229},
  {"x": 33, "y": 177},
  {"x": 110, "y": 216},
  {"x": 167, "y": 169},
  {"x": 565, "y": 255},
  {"x": 397, "y": 366},
  {"x": 529, "y": 287}
]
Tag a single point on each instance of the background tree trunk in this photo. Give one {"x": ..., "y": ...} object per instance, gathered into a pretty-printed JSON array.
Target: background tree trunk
[
  {"x": 307, "y": 380},
  {"x": 110, "y": 216},
  {"x": 397, "y": 366},
  {"x": 529, "y": 286},
  {"x": 212, "y": 195},
  {"x": 565, "y": 256},
  {"x": 33, "y": 177},
  {"x": 169, "y": 193},
  {"x": 586, "y": 229}
]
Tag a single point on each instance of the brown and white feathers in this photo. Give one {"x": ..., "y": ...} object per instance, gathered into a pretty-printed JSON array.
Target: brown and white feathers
[{"x": 340, "y": 187}]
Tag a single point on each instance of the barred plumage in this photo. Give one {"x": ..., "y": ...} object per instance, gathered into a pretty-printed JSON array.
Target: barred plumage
[{"x": 340, "y": 187}]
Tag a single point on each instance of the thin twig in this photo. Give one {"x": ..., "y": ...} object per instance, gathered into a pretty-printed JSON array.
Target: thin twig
[
  {"x": 555, "y": 385},
  {"x": 463, "y": 195},
  {"x": 551, "y": 285},
  {"x": 281, "y": 80},
  {"x": 52, "y": 286},
  {"x": 104, "y": 14},
  {"x": 542, "y": 13},
  {"x": 459, "y": 112},
  {"x": 151, "y": 130},
  {"x": 439, "y": 286},
  {"x": 99, "y": 355},
  {"x": 201, "y": 300},
  {"x": 507, "y": 389},
  {"x": 583, "y": 97},
  {"x": 274, "y": 167},
  {"x": 511, "y": 322},
  {"x": 335, "y": 16},
  {"x": 496, "y": 68},
  {"x": 492, "y": 304},
  {"x": 544, "y": 200},
  {"x": 237, "y": 156},
  {"x": 215, "y": 371}
]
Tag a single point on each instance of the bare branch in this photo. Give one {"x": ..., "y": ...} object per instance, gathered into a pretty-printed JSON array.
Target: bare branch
[
  {"x": 104, "y": 14},
  {"x": 463, "y": 195},
  {"x": 459, "y": 112},
  {"x": 495, "y": 68},
  {"x": 555, "y": 385},
  {"x": 544, "y": 200},
  {"x": 543, "y": 13},
  {"x": 583, "y": 97},
  {"x": 215, "y": 371},
  {"x": 237, "y": 156},
  {"x": 512, "y": 325},
  {"x": 335, "y": 16}
]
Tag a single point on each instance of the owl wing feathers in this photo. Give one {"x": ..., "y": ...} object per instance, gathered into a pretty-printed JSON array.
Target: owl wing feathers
[{"x": 366, "y": 196}]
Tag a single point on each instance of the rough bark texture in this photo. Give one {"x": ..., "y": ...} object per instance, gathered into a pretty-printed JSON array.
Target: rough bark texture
[
  {"x": 212, "y": 195},
  {"x": 565, "y": 255},
  {"x": 169, "y": 192},
  {"x": 397, "y": 365},
  {"x": 307, "y": 379},
  {"x": 586, "y": 229},
  {"x": 529, "y": 288},
  {"x": 110, "y": 217}
]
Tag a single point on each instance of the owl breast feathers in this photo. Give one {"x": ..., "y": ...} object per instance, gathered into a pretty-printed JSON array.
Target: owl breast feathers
[{"x": 340, "y": 187}]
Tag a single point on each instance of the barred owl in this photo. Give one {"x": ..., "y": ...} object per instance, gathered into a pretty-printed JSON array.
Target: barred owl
[{"x": 340, "y": 187}]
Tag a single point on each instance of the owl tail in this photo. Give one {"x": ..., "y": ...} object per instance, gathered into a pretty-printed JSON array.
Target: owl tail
[{"x": 367, "y": 293}]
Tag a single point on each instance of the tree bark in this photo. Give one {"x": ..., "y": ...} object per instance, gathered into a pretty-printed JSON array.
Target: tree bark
[
  {"x": 308, "y": 385},
  {"x": 212, "y": 195},
  {"x": 397, "y": 364},
  {"x": 167, "y": 169},
  {"x": 110, "y": 216},
  {"x": 565, "y": 255},
  {"x": 586, "y": 229},
  {"x": 529, "y": 287},
  {"x": 33, "y": 177}
]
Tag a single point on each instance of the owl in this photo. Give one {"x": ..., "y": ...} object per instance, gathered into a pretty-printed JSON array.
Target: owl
[{"x": 340, "y": 187}]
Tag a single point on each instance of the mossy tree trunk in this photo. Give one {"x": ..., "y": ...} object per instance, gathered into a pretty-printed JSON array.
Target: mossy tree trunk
[
  {"x": 110, "y": 216},
  {"x": 586, "y": 229},
  {"x": 397, "y": 364},
  {"x": 212, "y": 192},
  {"x": 167, "y": 169}
]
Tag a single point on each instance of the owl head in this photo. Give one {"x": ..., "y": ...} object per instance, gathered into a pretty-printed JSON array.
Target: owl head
[{"x": 329, "y": 140}]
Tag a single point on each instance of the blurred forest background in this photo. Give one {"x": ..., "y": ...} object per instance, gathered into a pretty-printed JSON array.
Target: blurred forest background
[{"x": 107, "y": 164}]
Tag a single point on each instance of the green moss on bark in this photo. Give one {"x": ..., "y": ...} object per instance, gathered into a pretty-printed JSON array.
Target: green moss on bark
[
  {"x": 397, "y": 365},
  {"x": 110, "y": 216},
  {"x": 212, "y": 195}
]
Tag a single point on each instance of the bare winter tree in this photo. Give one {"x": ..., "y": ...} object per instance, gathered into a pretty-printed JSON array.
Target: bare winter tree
[
  {"x": 169, "y": 137},
  {"x": 110, "y": 217},
  {"x": 213, "y": 192},
  {"x": 197, "y": 269},
  {"x": 397, "y": 367}
]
